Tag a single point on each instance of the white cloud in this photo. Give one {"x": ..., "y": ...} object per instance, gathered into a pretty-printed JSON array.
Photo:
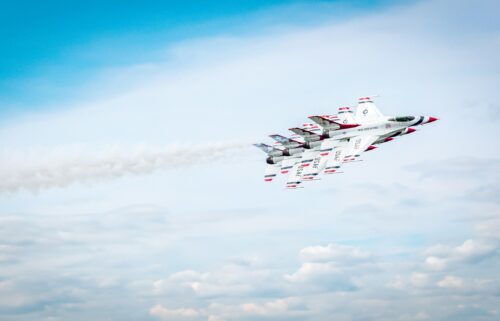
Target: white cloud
[
  {"x": 312, "y": 271},
  {"x": 451, "y": 281},
  {"x": 419, "y": 279},
  {"x": 436, "y": 263},
  {"x": 489, "y": 228},
  {"x": 173, "y": 314},
  {"x": 338, "y": 253},
  {"x": 331, "y": 267},
  {"x": 471, "y": 251},
  {"x": 279, "y": 306}
]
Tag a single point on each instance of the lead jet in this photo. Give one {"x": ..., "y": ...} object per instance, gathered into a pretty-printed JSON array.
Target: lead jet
[{"x": 371, "y": 128}]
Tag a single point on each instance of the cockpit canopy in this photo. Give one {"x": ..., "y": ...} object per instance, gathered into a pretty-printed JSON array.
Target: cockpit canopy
[{"x": 402, "y": 118}]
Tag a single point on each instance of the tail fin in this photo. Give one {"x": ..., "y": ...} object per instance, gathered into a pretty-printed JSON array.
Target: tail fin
[
  {"x": 367, "y": 111},
  {"x": 346, "y": 115}
]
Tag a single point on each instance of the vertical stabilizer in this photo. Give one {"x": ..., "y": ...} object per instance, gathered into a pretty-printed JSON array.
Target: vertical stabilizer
[{"x": 367, "y": 112}]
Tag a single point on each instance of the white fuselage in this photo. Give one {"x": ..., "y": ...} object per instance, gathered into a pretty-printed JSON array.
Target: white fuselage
[{"x": 384, "y": 127}]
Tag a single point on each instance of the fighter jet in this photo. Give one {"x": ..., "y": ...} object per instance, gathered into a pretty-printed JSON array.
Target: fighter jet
[
  {"x": 281, "y": 158},
  {"x": 343, "y": 138}
]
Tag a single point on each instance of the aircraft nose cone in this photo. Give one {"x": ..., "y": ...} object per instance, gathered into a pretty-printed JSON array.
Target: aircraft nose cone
[{"x": 431, "y": 119}]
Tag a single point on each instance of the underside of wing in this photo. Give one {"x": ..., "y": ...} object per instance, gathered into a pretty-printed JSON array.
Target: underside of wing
[
  {"x": 336, "y": 157},
  {"x": 294, "y": 178},
  {"x": 287, "y": 164},
  {"x": 358, "y": 145},
  {"x": 271, "y": 172},
  {"x": 319, "y": 161}
]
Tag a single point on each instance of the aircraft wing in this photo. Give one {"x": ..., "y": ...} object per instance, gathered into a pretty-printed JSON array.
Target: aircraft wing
[
  {"x": 325, "y": 122},
  {"x": 288, "y": 162},
  {"x": 319, "y": 161},
  {"x": 308, "y": 156},
  {"x": 298, "y": 168},
  {"x": 271, "y": 172},
  {"x": 336, "y": 156},
  {"x": 308, "y": 135},
  {"x": 347, "y": 151},
  {"x": 295, "y": 176},
  {"x": 359, "y": 144}
]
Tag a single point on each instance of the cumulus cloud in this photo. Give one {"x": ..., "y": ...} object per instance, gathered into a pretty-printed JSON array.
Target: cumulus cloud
[
  {"x": 229, "y": 279},
  {"x": 414, "y": 280},
  {"x": 451, "y": 281},
  {"x": 279, "y": 306},
  {"x": 313, "y": 272},
  {"x": 471, "y": 251},
  {"x": 436, "y": 263},
  {"x": 173, "y": 314},
  {"x": 329, "y": 267},
  {"x": 337, "y": 253},
  {"x": 489, "y": 228}
]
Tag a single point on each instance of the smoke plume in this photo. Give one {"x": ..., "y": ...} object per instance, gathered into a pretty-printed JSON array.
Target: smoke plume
[{"x": 40, "y": 169}]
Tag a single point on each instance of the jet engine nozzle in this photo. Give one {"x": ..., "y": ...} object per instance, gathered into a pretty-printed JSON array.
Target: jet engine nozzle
[
  {"x": 292, "y": 151},
  {"x": 273, "y": 160},
  {"x": 310, "y": 145}
]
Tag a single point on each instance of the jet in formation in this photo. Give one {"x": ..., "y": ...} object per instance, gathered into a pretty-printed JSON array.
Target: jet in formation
[{"x": 332, "y": 140}]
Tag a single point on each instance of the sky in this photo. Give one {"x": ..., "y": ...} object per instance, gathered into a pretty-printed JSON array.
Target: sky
[{"x": 129, "y": 189}]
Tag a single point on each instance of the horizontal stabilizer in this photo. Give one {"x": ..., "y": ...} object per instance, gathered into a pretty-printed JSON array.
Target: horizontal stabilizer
[
  {"x": 306, "y": 134},
  {"x": 285, "y": 141},
  {"x": 330, "y": 124},
  {"x": 264, "y": 147}
]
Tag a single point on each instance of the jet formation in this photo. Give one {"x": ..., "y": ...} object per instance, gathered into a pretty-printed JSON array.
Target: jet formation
[{"x": 332, "y": 140}]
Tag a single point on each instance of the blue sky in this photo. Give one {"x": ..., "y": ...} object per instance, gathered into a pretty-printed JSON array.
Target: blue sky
[
  {"x": 129, "y": 189},
  {"x": 54, "y": 45}
]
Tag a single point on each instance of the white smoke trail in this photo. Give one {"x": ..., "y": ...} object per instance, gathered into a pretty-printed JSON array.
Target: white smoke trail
[{"x": 39, "y": 169}]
